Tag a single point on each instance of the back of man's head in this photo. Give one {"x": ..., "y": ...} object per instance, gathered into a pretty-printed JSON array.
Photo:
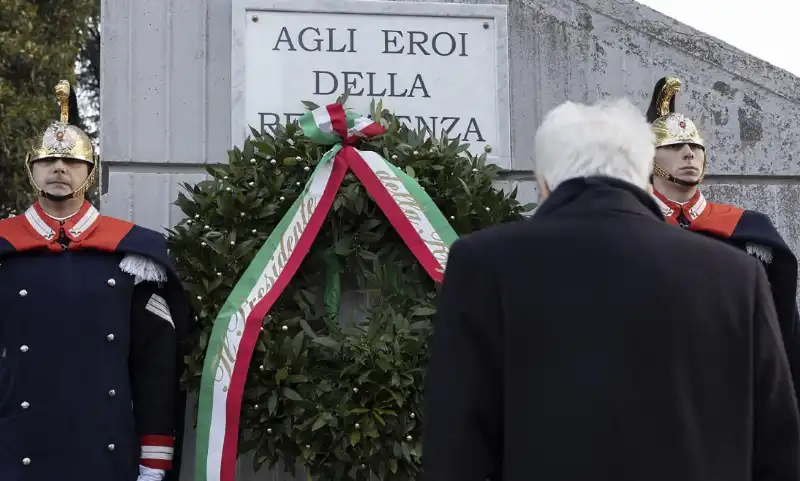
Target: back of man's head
[{"x": 605, "y": 139}]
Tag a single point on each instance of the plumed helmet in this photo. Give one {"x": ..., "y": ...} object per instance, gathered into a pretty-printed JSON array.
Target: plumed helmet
[
  {"x": 64, "y": 139},
  {"x": 670, "y": 127}
]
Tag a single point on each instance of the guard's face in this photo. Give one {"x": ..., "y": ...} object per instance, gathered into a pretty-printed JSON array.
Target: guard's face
[
  {"x": 683, "y": 161},
  {"x": 60, "y": 176}
]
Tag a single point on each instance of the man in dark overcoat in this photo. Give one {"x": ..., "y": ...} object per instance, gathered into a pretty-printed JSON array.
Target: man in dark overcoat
[
  {"x": 92, "y": 319},
  {"x": 594, "y": 341}
]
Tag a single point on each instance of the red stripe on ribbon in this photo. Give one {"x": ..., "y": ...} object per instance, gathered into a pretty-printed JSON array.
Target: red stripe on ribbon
[
  {"x": 393, "y": 212},
  {"x": 373, "y": 129},
  {"x": 252, "y": 327},
  {"x": 338, "y": 119}
]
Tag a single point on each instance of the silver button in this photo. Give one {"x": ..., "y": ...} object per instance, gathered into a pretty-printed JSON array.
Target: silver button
[
  {"x": 23, "y": 293},
  {"x": 112, "y": 282},
  {"x": 111, "y": 447},
  {"x": 26, "y": 461},
  {"x": 112, "y": 393},
  {"x": 25, "y": 405},
  {"x": 110, "y": 337},
  {"x": 23, "y": 348}
]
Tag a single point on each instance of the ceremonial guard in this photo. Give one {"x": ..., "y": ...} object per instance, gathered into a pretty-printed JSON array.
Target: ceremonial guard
[
  {"x": 92, "y": 318},
  {"x": 680, "y": 164}
]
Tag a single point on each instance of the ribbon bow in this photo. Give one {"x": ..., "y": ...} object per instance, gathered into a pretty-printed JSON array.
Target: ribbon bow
[
  {"x": 331, "y": 125},
  {"x": 404, "y": 202}
]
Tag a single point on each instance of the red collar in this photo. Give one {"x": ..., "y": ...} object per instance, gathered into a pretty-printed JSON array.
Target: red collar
[
  {"x": 76, "y": 228},
  {"x": 692, "y": 209},
  {"x": 717, "y": 219}
]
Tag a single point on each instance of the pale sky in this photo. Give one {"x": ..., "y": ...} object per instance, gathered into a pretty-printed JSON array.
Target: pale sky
[{"x": 767, "y": 29}]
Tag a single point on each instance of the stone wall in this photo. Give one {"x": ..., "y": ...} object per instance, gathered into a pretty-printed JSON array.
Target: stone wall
[{"x": 166, "y": 101}]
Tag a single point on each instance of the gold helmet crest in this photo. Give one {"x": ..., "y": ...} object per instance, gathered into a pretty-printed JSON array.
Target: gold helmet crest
[
  {"x": 64, "y": 139},
  {"x": 670, "y": 127}
]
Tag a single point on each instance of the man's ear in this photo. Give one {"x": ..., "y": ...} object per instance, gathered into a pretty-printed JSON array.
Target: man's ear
[{"x": 544, "y": 190}]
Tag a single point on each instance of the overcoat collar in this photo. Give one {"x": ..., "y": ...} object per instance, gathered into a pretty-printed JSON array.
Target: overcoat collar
[{"x": 599, "y": 193}]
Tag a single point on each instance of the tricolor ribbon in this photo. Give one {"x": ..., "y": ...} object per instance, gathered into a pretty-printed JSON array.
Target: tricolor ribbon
[{"x": 236, "y": 329}]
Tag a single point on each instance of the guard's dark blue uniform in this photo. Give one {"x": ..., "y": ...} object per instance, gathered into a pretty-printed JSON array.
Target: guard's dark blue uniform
[
  {"x": 753, "y": 232},
  {"x": 91, "y": 315}
]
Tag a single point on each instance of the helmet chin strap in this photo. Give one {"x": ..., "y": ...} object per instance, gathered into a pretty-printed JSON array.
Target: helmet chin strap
[
  {"x": 56, "y": 198},
  {"x": 657, "y": 170}
]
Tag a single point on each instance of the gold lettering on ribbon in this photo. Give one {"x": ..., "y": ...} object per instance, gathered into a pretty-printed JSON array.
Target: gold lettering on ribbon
[
  {"x": 225, "y": 356},
  {"x": 227, "y": 359},
  {"x": 415, "y": 214},
  {"x": 439, "y": 249}
]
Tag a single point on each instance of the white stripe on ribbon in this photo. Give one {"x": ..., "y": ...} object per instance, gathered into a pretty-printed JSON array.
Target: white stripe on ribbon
[
  {"x": 408, "y": 204},
  {"x": 361, "y": 123},
  {"x": 323, "y": 120},
  {"x": 236, "y": 323}
]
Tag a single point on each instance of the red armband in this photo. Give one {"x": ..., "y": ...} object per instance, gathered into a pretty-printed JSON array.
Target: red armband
[{"x": 157, "y": 452}]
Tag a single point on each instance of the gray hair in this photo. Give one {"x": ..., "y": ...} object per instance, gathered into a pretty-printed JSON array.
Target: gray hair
[{"x": 608, "y": 139}]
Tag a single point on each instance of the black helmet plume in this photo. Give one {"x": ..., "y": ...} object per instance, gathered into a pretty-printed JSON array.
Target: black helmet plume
[
  {"x": 74, "y": 114},
  {"x": 652, "y": 110}
]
